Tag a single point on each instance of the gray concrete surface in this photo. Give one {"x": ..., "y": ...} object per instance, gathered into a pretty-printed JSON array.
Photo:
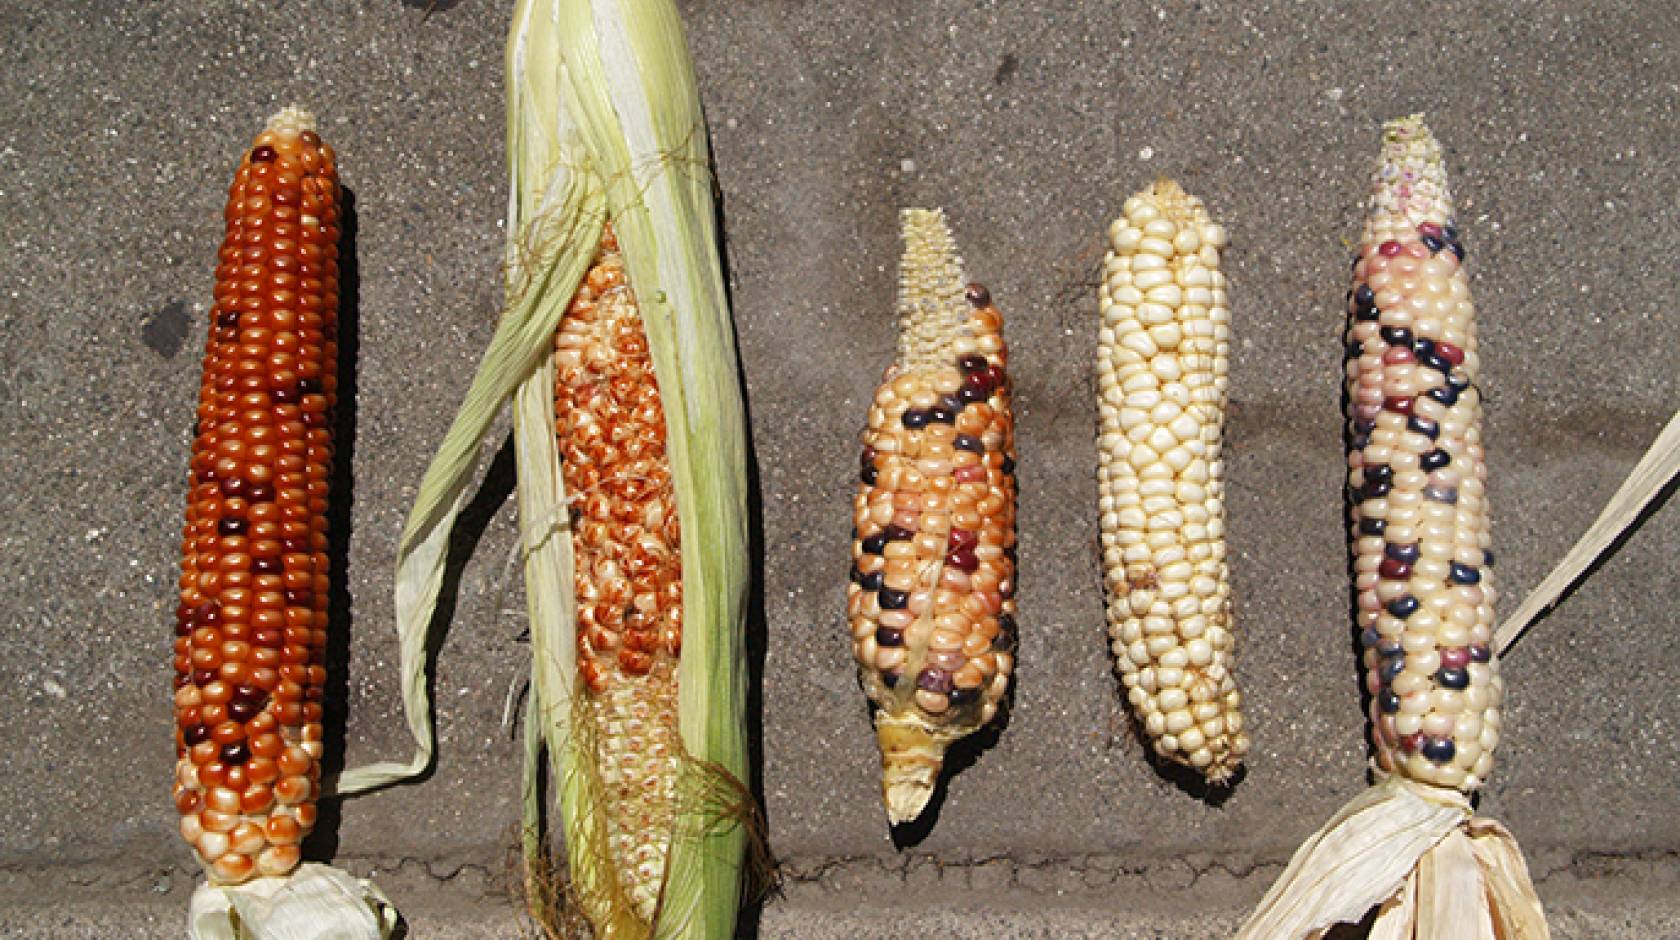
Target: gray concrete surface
[{"x": 1029, "y": 123}]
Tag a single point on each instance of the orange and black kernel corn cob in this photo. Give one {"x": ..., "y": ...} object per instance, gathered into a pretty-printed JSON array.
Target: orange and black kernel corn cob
[
  {"x": 251, "y": 625},
  {"x": 610, "y": 427},
  {"x": 931, "y": 603}
]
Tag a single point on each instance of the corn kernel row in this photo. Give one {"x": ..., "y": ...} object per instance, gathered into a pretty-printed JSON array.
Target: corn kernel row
[
  {"x": 251, "y": 624},
  {"x": 1162, "y": 364},
  {"x": 1419, "y": 520},
  {"x": 610, "y": 427}
]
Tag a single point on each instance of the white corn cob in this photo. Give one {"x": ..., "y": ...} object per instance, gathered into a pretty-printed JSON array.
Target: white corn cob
[{"x": 1161, "y": 365}]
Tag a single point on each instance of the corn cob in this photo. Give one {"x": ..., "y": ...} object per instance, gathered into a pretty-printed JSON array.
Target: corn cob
[
  {"x": 931, "y": 603},
  {"x": 1161, "y": 365},
  {"x": 628, "y": 568},
  {"x": 1410, "y": 845},
  {"x": 250, "y": 628},
  {"x": 1418, "y": 518}
]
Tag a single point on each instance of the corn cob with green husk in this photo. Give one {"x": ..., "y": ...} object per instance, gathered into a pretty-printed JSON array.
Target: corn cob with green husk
[
  {"x": 616, "y": 348},
  {"x": 1419, "y": 531},
  {"x": 931, "y": 604},
  {"x": 251, "y": 624},
  {"x": 1161, "y": 368}
]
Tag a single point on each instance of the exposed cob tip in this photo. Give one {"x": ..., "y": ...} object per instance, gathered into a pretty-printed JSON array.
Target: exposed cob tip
[
  {"x": 291, "y": 120},
  {"x": 911, "y": 756},
  {"x": 1410, "y": 185},
  {"x": 932, "y": 311}
]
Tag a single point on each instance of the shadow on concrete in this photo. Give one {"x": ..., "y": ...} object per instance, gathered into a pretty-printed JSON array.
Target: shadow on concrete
[{"x": 322, "y": 843}]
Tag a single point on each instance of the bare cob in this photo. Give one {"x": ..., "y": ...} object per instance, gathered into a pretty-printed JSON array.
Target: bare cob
[
  {"x": 1419, "y": 530},
  {"x": 1161, "y": 366},
  {"x": 251, "y": 625},
  {"x": 931, "y": 603}
]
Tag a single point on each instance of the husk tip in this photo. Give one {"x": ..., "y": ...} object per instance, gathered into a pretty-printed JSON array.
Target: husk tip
[{"x": 911, "y": 759}]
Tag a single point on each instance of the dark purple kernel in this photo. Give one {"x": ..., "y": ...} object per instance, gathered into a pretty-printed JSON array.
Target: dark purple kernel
[
  {"x": 1439, "y": 750},
  {"x": 260, "y": 492},
  {"x": 1367, "y": 314},
  {"x": 231, "y": 525},
  {"x": 1464, "y": 574},
  {"x": 934, "y": 679},
  {"x": 1423, "y": 346},
  {"x": 915, "y": 419},
  {"x": 207, "y": 614},
  {"x": 1369, "y": 638},
  {"x": 875, "y": 544},
  {"x": 1454, "y": 657},
  {"x": 869, "y": 475},
  {"x": 1360, "y": 441},
  {"x": 994, "y": 375},
  {"x": 1380, "y": 472},
  {"x": 1458, "y": 380},
  {"x": 897, "y": 533},
  {"x": 1006, "y": 625},
  {"x": 1403, "y": 606},
  {"x": 1433, "y": 244},
  {"x": 1421, "y": 425},
  {"x": 960, "y": 696},
  {"x": 1441, "y": 494},
  {"x": 242, "y": 711},
  {"x": 203, "y": 677},
  {"x": 951, "y": 403},
  {"x": 1375, "y": 489},
  {"x": 1453, "y": 678},
  {"x": 1434, "y": 361},
  {"x": 1374, "y": 527},
  {"x": 286, "y": 395},
  {"x": 1406, "y": 553},
  {"x": 963, "y": 538},
  {"x": 228, "y": 319},
  {"x": 310, "y": 387},
  {"x": 233, "y": 487},
  {"x": 972, "y": 363},
  {"x": 890, "y": 679},
  {"x": 1364, "y": 296},
  {"x": 894, "y": 600},
  {"x": 182, "y": 681},
  {"x": 1480, "y": 653},
  {"x": 962, "y": 559},
  {"x": 969, "y": 443},
  {"x": 1445, "y": 395},
  {"x": 939, "y": 414},
  {"x": 1390, "y": 647},
  {"x": 196, "y": 734},
  {"x": 263, "y": 154},
  {"x": 1397, "y": 336},
  {"x": 1487, "y": 558},
  {"x": 314, "y": 419},
  {"x": 270, "y": 565},
  {"x": 1364, "y": 425},
  {"x": 889, "y": 636},
  {"x": 294, "y": 546},
  {"x": 1449, "y": 232},
  {"x": 1008, "y": 465},
  {"x": 870, "y": 581},
  {"x": 207, "y": 475},
  {"x": 971, "y": 393},
  {"x": 1388, "y": 701},
  {"x": 1458, "y": 250},
  {"x": 248, "y": 693},
  {"x": 299, "y": 598},
  {"x": 978, "y": 295},
  {"x": 1391, "y": 669},
  {"x": 1434, "y": 460},
  {"x": 236, "y": 753},
  {"x": 1355, "y": 349}
]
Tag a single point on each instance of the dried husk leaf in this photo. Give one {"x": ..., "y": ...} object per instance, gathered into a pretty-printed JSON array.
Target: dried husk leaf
[{"x": 312, "y": 902}]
